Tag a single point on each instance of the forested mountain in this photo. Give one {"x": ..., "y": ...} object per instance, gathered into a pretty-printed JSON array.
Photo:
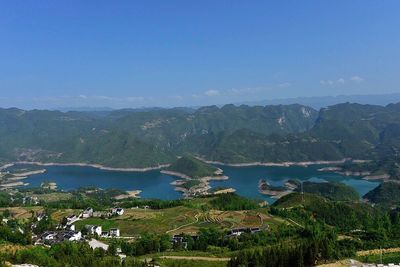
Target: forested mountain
[
  {"x": 386, "y": 194},
  {"x": 233, "y": 134}
]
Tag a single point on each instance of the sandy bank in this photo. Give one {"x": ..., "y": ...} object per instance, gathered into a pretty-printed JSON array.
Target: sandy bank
[
  {"x": 205, "y": 178},
  {"x": 225, "y": 191},
  {"x": 129, "y": 194},
  {"x": 275, "y": 194},
  {"x": 97, "y": 166},
  {"x": 280, "y": 164},
  {"x": 177, "y": 174},
  {"x": 13, "y": 184},
  {"x": 377, "y": 177},
  {"x": 25, "y": 174},
  {"x": 330, "y": 169},
  {"x": 196, "y": 190},
  {"x": 6, "y": 166}
]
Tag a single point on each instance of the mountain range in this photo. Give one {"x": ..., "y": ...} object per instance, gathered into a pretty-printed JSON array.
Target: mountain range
[{"x": 230, "y": 134}]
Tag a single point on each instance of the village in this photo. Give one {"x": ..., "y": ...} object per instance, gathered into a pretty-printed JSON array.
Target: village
[
  {"x": 66, "y": 230},
  {"x": 97, "y": 238}
]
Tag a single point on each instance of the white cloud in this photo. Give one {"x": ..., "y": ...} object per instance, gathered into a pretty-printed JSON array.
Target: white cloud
[
  {"x": 135, "y": 98},
  {"x": 83, "y": 96},
  {"x": 103, "y": 97},
  {"x": 332, "y": 82},
  {"x": 177, "y": 97},
  {"x": 327, "y": 82},
  {"x": 284, "y": 85},
  {"x": 212, "y": 93},
  {"x": 357, "y": 79}
]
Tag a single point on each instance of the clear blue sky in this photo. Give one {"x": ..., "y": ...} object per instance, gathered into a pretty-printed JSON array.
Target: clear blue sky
[{"x": 181, "y": 53}]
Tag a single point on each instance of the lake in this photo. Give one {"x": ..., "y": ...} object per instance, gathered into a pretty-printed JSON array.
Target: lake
[{"x": 157, "y": 185}]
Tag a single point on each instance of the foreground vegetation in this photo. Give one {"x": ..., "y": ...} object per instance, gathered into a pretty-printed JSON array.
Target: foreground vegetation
[{"x": 297, "y": 230}]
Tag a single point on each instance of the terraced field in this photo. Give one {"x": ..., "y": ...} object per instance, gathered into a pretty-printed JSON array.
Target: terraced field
[
  {"x": 22, "y": 212},
  {"x": 176, "y": 220}
]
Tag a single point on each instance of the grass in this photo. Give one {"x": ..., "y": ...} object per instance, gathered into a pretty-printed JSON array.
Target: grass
[
  {"x": 106, "y": 224},
  {"x": 10, "y": 248},
  {"x": 61, "y": 213},
  {"x": 158, "y": 221},
  {"x": 192, "y": 253},
  {"x": 139, "y": 221},
  {"x": 22, "y": 212},
  {"x": 376, "y": 258},
  {"x": 53, "y": 197},
  {"x": 190, "y": 263}
]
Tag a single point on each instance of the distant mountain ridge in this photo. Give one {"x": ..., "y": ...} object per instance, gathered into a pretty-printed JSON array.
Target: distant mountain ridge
[
  {"x": 231, "y": 134},
  {"x": 318, "y": 102}
]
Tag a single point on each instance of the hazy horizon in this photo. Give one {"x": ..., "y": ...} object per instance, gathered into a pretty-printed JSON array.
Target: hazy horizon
[{"x": 317, "y": 103}]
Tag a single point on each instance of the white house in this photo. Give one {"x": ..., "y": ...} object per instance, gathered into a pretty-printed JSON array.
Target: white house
[
  {"x": 87, "y": 213},
  {"x": 94, "y": 229},
  {"x": 104, "y": 234},
  {"x": 70, "y": 227},
  {"x": 71, "y": 236},
  {"x": 114, "y": 232},
  {"x": 71, "y": 219},
  {"x": 118, "y": 211},
  {"x": 41, "y": 216}
]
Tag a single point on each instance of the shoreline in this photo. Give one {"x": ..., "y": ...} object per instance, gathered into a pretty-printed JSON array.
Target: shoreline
[
  {"x": 158, "y": 167},
  {"x": 205, "y": 178},
  {"x": 13, "y": 184},
  {"x": 97, "y": 166},
  {"x": 282, "y": 164},
  {"x": 200, "y": 189},
  {"x": 176, "y": 174}
]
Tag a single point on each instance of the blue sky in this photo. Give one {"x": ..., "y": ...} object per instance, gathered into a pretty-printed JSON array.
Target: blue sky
[{"x": 183, "y": 53}]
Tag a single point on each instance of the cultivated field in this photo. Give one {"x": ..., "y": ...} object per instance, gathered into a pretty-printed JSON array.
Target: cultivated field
[{"x": 180, "y": 220}]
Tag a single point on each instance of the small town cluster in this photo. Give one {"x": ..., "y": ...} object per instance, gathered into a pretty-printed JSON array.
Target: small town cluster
[{"x": 66, "y": 230}]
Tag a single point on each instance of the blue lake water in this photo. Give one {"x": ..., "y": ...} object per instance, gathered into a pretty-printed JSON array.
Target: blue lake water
[{"x": 157, "y": 185}]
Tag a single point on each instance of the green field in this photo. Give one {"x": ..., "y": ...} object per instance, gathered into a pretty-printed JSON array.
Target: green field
[
  {"x": 180, "y": 219},
  {"x": 376, "y": 258},
  {"x": 105, "y": 224}
]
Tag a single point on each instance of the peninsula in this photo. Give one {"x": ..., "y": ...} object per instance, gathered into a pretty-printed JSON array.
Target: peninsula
[{"x": 195, "y": 175}]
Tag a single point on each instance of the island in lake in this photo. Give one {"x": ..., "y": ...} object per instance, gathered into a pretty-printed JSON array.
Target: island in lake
[{"x": 195, "y": 175}]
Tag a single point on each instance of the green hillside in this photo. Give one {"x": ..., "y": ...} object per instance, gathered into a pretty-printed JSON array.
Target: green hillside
[
  {"x": 346, "y": 216},
  {"x": 231, "y": 134},
  {"x": 384, "y": 166},
  {"x": 386, "y": 194},
  {"x": 135, "y": 138},
  {"x": 297, "y": 199},
  {"x": 332, "y": 191},
  {"x": 192, "y": 167}
]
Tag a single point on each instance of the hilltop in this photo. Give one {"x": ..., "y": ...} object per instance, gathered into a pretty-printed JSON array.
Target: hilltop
[
  {"x": 195, "y": 175},
  {"x": 332, "y": 191},
  {"x": 192, "y": 168},
  {"x": 386, "y": 194}
]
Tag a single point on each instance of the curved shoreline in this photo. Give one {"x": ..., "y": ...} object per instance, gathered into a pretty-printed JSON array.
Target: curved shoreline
[
  {"x": 97, "y": 166},
  {"x": 282, "y": 164},
  {"x": 144, "y": 169},
  {"x": 200, "y": 189},
  {"x": 176, "y": 174}
]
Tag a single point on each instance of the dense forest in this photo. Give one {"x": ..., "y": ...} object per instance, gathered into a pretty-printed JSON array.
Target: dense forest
[{"x": 231, "y": 134}]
